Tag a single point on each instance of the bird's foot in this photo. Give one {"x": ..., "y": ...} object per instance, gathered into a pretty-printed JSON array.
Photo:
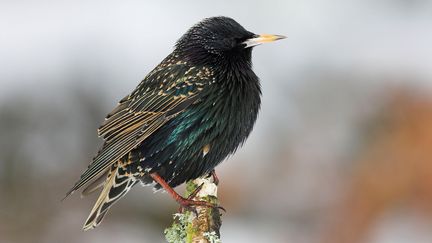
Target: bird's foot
[
  {"x": 190, "y": 198},
  {"x": 185, "y": 203},
  {"x": 188, "y": 204}
]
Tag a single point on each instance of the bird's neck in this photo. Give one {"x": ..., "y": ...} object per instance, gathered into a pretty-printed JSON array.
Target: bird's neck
[{"x": 236, "y": 72}]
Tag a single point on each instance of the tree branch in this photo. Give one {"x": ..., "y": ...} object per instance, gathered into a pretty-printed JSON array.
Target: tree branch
[{"x": 202, "y": 228}]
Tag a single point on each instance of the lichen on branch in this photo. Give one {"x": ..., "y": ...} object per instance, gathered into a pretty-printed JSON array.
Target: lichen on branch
[{"x": 201, "y": 227}]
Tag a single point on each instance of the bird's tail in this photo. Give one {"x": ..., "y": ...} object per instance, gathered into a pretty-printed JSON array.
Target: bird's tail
[{"x": 115, "y": 187}]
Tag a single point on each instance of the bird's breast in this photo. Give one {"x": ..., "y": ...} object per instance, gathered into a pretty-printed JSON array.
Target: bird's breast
[
  {"x": 229, "y": 112},
  {"x": 209, "y": 130}
]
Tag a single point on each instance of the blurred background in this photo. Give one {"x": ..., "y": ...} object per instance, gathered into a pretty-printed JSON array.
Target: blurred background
[{"x": 341, "y": 152}]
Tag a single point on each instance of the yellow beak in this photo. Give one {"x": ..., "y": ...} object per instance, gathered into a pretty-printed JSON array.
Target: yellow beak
[{"x": 264, "y": 38}]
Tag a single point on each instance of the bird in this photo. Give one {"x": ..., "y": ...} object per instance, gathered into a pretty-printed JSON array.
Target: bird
[{"x": 186, "y": 116}]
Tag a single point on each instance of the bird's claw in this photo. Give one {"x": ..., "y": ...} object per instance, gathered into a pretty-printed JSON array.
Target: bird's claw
[{"x": 187, "y": 204}]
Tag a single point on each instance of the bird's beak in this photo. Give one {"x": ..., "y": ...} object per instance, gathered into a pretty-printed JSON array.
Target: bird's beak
[{"x": 260, "y": 39}]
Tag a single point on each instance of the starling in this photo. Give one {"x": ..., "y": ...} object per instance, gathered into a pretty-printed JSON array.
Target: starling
[{"x": 187, "y": 115}]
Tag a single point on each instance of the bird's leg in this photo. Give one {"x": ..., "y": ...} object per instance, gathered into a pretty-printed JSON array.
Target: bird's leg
[
  {"x": 184, "y": 202},
  {"x": 190, "y": 197},
  {"x": 215, "y": 177}
]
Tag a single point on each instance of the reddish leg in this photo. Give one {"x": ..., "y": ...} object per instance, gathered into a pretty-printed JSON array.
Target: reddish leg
[
  {"x": 184, "y": 202},
  {"x": 215, "y": 178}
]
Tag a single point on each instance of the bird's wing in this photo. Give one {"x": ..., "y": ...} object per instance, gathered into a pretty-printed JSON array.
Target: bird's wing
[{"x": 164, "y": 93}]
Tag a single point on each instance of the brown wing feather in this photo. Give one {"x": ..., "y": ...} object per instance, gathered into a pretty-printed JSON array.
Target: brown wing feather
[{"x": 156, "y": 100}]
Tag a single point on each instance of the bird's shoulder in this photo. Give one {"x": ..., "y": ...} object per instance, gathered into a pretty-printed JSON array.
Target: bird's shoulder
[{"x": 167, "y": 90}]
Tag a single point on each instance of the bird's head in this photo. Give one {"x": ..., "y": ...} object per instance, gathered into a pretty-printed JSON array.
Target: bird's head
[{"x": 218, "y": 39}]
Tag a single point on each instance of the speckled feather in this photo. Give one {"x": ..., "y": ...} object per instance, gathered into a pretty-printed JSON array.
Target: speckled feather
[
  {"x": 164, "y": 93},
  {"x": 192, "y": 111}
]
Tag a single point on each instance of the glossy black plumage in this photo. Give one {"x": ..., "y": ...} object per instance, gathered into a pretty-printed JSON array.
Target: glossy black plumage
[{"x": 188, "y": 114}]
